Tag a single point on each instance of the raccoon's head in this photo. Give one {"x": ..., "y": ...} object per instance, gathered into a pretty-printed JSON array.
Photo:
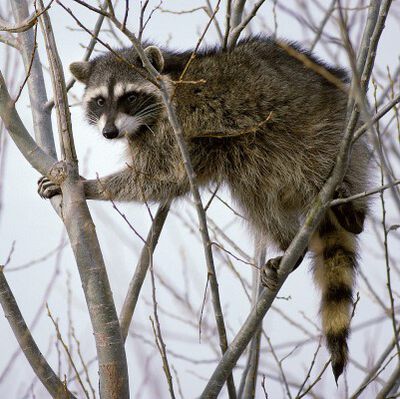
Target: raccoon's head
[{"x": 117, "y": 98}]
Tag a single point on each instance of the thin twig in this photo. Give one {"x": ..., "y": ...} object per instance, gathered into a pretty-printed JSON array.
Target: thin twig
[
  {"x": 376, "y": 190},
  {"x": 136, "y": 283},
  {"x": 237, "y": 29},
  {"x": 25, "y": 25},
  {"x": 309, "y": 369},
  {"x": 88, "y": 52},
  {"x": 323, "y": 23},
  {"x": 296, "y": 248},
  {"x": 67, "y": 351},
  {"x": 317, "y": 379},
  {"x": 28, "y": 72},
  {"x": 177, "y": 128},
  {"x": 158, "y": 334},
  {"x": 21, "y": 331},
  {"x": 113, "y": 370}
]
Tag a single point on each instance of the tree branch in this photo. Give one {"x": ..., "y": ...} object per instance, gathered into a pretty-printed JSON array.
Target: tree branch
[
  {"x": 42, "y": 124},
  {"x": 297, "y": 246},
  {"x": 136, "y": 283},
  {"x": 113, "y": 370},
  {"x": 9, "y": 40},
  {"x": 250, "y": 376},
  {"x": 88, "y": 52},
  {"x": 390, "y": 384},
  {"x": 26, "y": 24},
  {"x": 42, "y": 162},
  {"x": 31, "y": 351},
  {"x": 236, "y": 30},
  {"x": 154, "y": 74}
]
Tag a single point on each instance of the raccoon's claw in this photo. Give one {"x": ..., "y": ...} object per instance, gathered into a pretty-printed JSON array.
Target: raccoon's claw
[
  {"x": 47, "y": 189},
  {"x": 269, "y": 273}
]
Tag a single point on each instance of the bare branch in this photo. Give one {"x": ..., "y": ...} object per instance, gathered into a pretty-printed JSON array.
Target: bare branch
[
  {"x": 26, "y": 24},
  {"x": 377, "y": 190},
  {"x": 9, "y": 40},
  {"x": 236, "y": 11},
  {"x": 158, "y": 335},
  {"x": 317, "y": 379},
  {"x": 391, "y": 385},
  {"x": 38, "y": 314},
  {"x": 88, "y": 52},
  {"x": 372, "y": 372},
  {"x": 21, "y": 331},
  {"x": 236, "y": 30},
  {"x": 136, "y": 283},
  {"x": 60, "y": 93},
  {"x": 323, "y": 23},
  {"x": 67, "y": 351},
  {"x": 29, "y": 69},
  {"x": 294, "y": 251},
  {"x": 361, "y": 130},
  {"x": 81, "y": 231},
  {"x": 193, "y": 187},
  {"x": 42, "y": 162},
  {"x": 250, "y": 376}
]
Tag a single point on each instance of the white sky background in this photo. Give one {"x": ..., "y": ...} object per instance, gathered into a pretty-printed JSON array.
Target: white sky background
[{"x": 36, "y": 229}]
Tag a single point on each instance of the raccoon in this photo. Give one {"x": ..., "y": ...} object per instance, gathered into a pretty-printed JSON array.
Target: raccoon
[{"x": 255, "y": 119}]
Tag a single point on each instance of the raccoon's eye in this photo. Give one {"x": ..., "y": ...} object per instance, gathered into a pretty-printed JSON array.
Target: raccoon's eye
[
  {"x": 100, "y": 101},
  {"x": 131, "y": 98}
]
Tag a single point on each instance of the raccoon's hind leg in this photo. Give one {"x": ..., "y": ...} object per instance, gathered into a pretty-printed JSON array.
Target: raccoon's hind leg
[
  {"x": 269, "y": 273},
  {"x": 350, "y": 215},
  {"x": 335, "y": 264}
]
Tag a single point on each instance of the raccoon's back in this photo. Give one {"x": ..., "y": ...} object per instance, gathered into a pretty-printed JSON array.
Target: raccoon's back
[
  {"x": 259, "y": 115},
  {"x": 239, "y": 90}
]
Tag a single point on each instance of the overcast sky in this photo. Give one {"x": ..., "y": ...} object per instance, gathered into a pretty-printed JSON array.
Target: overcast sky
[{"x": 32, "y": 224}]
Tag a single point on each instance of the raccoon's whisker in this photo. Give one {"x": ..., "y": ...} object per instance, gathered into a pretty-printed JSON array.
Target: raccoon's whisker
[
  {"x": 273, "y": 174},
  {"x": 148, "y": 127},
  {"x": 143, "y": 102},
  {"x": 149, "y": 110},
  {"x": 146, "y": 114},
  {"x": 151, "y": 106},
  {"x": 92, "y": 119}
]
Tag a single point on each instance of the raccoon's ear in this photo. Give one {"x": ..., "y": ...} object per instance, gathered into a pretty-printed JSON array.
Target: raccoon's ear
[
  {"x": 155, "y": 56},
  {"x": 81, "y": 70}
]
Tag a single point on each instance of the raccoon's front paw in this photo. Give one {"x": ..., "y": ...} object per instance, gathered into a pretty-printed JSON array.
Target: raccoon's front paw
[
  {"x": 269, "y": 273},
  {"x": 47, "y": 189}
]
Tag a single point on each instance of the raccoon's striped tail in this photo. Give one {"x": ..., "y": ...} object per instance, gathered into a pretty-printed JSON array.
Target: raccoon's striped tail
[{"x": 334, "y": 272}]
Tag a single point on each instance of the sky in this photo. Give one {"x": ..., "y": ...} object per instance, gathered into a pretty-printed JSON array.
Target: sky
[{"x": 30, "y": 225}]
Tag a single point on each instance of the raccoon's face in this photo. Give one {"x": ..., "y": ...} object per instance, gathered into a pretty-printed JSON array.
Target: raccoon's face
[
  {"x": 117, "y": 100},
  {"x": 121, "y": 109}
]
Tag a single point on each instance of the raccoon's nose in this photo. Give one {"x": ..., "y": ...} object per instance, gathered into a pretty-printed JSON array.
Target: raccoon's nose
[{"x": 110, "y": 132}]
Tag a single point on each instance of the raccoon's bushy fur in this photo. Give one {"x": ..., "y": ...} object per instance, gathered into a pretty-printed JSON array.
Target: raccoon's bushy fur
[{"x": 267, "y": 127}]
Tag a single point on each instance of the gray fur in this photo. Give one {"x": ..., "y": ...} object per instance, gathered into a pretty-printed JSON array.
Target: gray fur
[
  {"x": 273, "y": 171},
  {"x": 155, "y": 56},
  {"x": 81, "y": 70},
  {"x": 263, "y": 124}
]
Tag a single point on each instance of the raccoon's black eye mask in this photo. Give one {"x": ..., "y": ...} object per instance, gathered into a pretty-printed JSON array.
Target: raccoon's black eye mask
[{"x": 131, "y": 97}]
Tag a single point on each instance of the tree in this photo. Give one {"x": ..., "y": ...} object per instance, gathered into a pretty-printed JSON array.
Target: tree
[{"x": 355, "y": 40}]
